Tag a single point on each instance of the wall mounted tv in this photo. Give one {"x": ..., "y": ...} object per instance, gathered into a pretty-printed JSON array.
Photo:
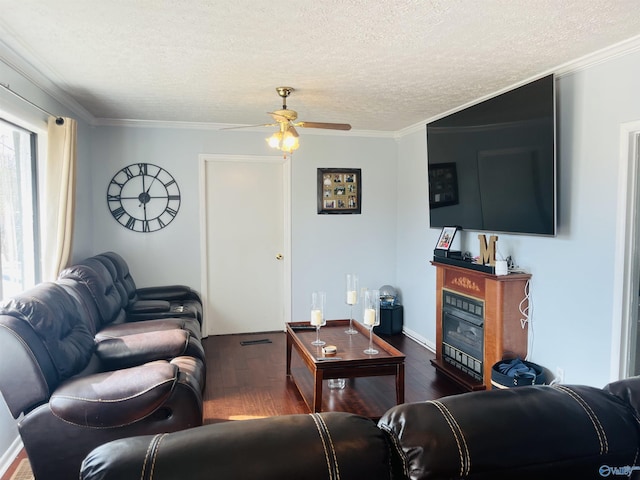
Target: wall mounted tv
[{"x": 492, "y": 166}]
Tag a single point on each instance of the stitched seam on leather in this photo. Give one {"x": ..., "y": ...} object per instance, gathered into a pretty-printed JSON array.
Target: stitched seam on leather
[
  {"x": 146, "y": 456},
  {"x": 324, "y": 445},
  {"x": 396, "y": 444},
  {"x": 333, "y": 449},
  {"x": 463, "y": 451},
  {"x": 390, "y": 454},
  {"x": 156, "y": 450},
  {"x": 599, "y": 429}
]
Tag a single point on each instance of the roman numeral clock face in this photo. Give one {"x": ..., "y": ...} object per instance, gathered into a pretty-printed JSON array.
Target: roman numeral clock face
[{"x": 143, "y": 197}]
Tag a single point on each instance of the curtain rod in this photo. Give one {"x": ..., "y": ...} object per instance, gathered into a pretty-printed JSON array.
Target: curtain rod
[{"x": 59, "y": 120}]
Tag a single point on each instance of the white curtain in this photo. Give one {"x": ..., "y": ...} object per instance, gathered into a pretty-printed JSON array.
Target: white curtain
[{"x": 58, "y": 202}]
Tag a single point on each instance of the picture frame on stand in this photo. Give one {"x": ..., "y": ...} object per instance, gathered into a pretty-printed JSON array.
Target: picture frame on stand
[{"x": 446, "y": 238}]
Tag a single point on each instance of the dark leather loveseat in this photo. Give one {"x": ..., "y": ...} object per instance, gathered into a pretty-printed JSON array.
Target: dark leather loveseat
[
  {"x": 534, "y": 432},
  {"x": 84, "y": 365}
]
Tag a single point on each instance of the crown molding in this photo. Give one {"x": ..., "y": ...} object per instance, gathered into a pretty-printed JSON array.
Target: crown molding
[
  {"x": 617, "y": 50},
  {"x": 117, "y": 122},
  {"x": 599, "y": 56},
  {"x": 34, "y": 74}
]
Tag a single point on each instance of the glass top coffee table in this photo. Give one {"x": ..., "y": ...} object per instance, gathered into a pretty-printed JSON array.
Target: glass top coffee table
[{"x": 349, "y": 361}]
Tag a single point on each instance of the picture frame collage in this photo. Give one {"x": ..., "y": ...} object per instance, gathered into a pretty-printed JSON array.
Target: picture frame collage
[{"x": 339, "y": 191}]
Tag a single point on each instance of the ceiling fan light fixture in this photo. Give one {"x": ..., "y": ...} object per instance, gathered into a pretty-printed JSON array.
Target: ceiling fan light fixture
[
  {"x": 286, "y": 138},
  {"x": 286, "y": 142},
  {"x": 290, "y": 142},
  {"x": 275, "y": 140}
]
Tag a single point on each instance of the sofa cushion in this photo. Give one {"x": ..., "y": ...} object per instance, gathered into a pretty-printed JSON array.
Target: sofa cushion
[
  {"x": 138, "y": 348},
  {"x": 114, "y": 399},
  {"x": 191, "y": 325},
  {"x": 96, "y": 279},
  {"x": 55, "y": 318},
  {"x": 520, "y": 433},
  {"x": 122, "y": 271}
]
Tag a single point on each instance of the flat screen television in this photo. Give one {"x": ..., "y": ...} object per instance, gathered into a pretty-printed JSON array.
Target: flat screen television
[{"x": 492, "y": 166}]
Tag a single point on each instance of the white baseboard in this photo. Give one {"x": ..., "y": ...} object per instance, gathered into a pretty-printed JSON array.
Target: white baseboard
[
  {"x": 9, "y": 456},
  {"x": 429, "y": 345}
]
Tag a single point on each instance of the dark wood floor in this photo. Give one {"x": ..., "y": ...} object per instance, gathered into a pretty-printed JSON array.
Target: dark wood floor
[{"x": 250, "y": 381}]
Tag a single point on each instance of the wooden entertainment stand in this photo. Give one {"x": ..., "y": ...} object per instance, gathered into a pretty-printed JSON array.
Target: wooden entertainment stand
[{"x": 502, "y": 298}]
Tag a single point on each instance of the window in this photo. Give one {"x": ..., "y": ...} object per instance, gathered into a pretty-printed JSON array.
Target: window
[{"x": 19, "y": 239}]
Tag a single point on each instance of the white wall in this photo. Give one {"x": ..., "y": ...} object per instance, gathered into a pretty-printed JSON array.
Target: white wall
[
  {"x": 325, "y": 247},
  {"x": 416, "y": 280},
  {"x": 572, "y": 284}
]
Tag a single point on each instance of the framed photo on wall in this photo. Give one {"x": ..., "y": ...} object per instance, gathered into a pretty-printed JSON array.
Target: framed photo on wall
[{"x": 339, "y": 190}]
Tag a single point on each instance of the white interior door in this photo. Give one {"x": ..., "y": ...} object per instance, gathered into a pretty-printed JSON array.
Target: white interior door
[{"x": 245, "y": 248}]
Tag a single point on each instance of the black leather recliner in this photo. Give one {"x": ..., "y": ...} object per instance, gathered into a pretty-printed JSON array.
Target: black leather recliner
[
  {"x": 532, "y": 432},
  {"x": 321, "y": 446},
  {"x": 524, "y": 433},
  {"x": 96, "y": 284},
  {"x": 153, "y": 302},
  {"x": 76, "y": 392}
]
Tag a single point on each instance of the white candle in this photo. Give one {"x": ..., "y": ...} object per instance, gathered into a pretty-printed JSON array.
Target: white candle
[
  {"x": 352, "y": 297},
  {"x": 316, "y": 317},
  {"x": 370, "y": 316}
]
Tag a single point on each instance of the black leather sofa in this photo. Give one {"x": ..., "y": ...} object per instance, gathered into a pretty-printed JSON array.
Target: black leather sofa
[
  {"x": 82, "y": 369},
  {"x": 152, "y": 302},
  {"x": 532, "y": 432}
]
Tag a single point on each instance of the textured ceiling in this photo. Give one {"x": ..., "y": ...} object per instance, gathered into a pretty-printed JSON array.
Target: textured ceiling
[{"x": 379, "y": 65}]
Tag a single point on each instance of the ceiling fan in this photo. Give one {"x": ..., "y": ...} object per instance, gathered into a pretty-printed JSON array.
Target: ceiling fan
[
  {"x": 286, "y": 138},
  {"x": 287, "y": 116}
]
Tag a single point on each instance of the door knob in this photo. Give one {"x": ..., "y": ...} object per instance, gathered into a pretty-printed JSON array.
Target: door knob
[{"x": 279, "y": 256}]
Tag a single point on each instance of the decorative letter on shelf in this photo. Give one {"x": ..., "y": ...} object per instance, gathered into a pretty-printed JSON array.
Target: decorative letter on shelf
[{"x": 487, "y": 253}]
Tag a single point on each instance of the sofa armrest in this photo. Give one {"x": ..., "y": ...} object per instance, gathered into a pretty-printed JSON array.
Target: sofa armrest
[
  {"x": 628, "y": 391},
  {"x": 116, "y": 398},
  {"x": 148, "y": 306},
  {"x": 132, "y": 350},
  {"x": 523, "y": 433},
  {"x": 168, "y": 292}
]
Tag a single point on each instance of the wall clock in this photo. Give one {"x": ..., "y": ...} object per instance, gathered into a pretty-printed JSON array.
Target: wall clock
[{"x": 143, "y": 197}]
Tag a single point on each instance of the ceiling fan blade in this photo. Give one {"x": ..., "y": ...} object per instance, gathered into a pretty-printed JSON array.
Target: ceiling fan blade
[
  {"x": 331, "y": 126},
  {"x": 250, "y": 126},
  {"x": 293, "y": 131}
]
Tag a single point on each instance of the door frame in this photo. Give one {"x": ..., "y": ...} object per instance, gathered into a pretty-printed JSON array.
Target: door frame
[
  {"x": 206, "y": 159},
  {"x": 626, "y": 274}
]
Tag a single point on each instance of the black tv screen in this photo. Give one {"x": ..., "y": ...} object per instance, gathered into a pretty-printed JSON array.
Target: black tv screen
[{"x": 492, "y": 166}]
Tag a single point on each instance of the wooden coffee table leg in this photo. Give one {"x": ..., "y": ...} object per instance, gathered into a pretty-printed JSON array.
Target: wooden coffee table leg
[
  {"x": 289, "y": 344},
  {"x": 400, "y": 384},
  {"x": 317, "y": 390}
]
